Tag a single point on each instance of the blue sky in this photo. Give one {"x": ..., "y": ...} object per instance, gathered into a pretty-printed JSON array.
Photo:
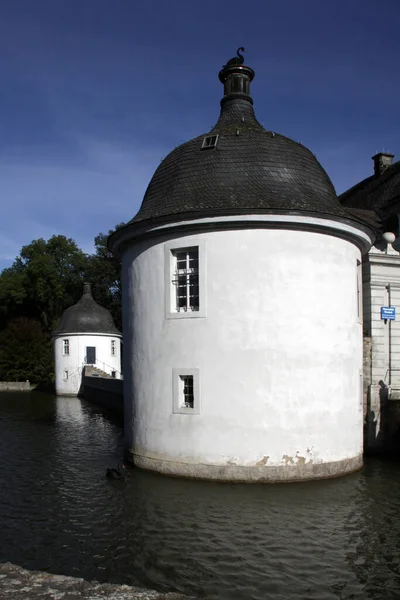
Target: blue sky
[{"x": 96, "y": 92}]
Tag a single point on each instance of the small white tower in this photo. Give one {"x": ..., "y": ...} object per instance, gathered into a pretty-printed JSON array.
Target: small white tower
[{"x": 86, "y": 336}]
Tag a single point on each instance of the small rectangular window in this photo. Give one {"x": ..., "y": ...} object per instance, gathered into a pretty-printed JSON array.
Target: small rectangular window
[
  {"x": 186, "y": 391},
  {"x": 187, "y": 394},
  {"x": 66, "y": 347},
  {"x": 186, "y": 279},
  {"x": 113, "y": 348},
  {"x": 65, "y": 375},
  {"x": 210, "y": 141}
]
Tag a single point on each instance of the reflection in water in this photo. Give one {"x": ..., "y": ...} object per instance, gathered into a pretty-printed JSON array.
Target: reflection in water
[
  {"x": 70, "y": 411},
  {"x": 373, "y": 531},
  {"x": 323, "y": 540}
]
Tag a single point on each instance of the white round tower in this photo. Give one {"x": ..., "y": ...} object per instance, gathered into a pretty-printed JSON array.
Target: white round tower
[
  {"x": 86, "y": 336},
  {"x": 242, "y": 309}
]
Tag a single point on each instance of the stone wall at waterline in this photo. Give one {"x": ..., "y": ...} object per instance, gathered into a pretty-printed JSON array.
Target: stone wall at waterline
[
  {"x": 20, "y": 584},
  {"x": 15, "y": 386},
  {"x": 104, "y": 391}
]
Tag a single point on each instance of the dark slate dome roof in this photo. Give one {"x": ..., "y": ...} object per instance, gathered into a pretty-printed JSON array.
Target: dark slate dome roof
[
  {"x": 250, "y": 170},
  {"x": 86, "y": 316}
]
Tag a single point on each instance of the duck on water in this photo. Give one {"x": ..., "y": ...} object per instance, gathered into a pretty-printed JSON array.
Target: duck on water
[{"x": 117, "y": 473}]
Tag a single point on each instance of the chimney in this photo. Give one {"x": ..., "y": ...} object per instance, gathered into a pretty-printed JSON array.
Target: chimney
[{"x": 382, "y": 161}]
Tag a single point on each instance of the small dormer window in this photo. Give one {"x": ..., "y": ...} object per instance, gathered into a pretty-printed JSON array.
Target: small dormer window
[{"x": 210, "y": 141}]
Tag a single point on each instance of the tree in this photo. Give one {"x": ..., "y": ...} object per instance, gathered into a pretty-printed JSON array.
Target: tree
[
  {"x": 104, "y": 272},
  {"x": 26, "y": 352},
  {"x": 44, "y": 280}
]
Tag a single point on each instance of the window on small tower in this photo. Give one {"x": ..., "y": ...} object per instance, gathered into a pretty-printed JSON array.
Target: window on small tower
[
  {"x": 113, "y": 348},
  {"x": 66, "y": 347},
  {"x": 210, "y": 141},
  {"x": 186, "y": 279},
  {"x": 187, "y": 393}
]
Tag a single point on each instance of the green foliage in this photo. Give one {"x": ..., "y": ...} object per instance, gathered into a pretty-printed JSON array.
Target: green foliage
[
  {"x": 104, "y": 273},
  {"x": 26, "y": 352},
  {"x": 45, "y": 279}
]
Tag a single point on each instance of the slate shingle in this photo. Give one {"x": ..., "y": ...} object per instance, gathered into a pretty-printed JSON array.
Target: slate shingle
[
  {"x": 250, "y": 170},
  {"x": 86, "y": 316},
  {"x": 378, "y": 193}
]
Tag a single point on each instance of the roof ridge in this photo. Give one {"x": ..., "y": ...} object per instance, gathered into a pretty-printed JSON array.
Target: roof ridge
[{"x": 388, "y": 173}]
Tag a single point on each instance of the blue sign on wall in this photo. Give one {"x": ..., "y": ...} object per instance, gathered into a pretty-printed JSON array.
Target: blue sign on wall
[{"x": 388, "y": 313}]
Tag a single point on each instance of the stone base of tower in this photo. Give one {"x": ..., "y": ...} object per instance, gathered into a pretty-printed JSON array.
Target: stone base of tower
[{"x": 259, "y": 473}]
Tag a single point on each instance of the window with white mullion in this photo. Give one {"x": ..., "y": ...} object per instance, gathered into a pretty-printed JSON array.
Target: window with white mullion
[{"x": 186, "y": 279}]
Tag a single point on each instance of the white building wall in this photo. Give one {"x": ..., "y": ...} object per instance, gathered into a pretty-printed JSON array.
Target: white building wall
[
  {"x": 279, "y": 354},
  {"x": 382, "y": 288},
  {"x": 68, "y": 368},
  {"x": 382, "y": 284}
]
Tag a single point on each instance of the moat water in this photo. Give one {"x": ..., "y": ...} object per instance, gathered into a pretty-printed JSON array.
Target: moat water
[{"x": 324, "y": 540}]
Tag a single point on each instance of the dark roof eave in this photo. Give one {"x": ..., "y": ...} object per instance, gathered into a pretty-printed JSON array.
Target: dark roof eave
[{"x": 138, "y": 230}]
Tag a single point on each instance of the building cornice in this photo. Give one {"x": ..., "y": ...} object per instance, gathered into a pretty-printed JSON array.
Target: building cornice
[
  {"x": 358, "y": 234},
  {"x": 64, "y": 334},
  {"x": 384, "y": 259}
]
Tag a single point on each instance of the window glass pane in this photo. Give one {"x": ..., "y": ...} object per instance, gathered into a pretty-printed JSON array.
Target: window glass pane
[
  {"x": 181, "y": 261},
  {"x": 186, "y": 279},
  {"x": 188, "y": 394}
]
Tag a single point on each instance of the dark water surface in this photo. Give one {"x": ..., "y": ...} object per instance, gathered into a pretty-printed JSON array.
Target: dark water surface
[{"x": 323, "y": 540}]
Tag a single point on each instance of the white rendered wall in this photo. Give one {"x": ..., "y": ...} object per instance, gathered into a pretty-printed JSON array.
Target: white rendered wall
[
  {"x": 382, "y": 271},
  {"x": 69, "y": 383},
  {"x": 279, "y": 353},
  {"x": 382, "y": 288}
]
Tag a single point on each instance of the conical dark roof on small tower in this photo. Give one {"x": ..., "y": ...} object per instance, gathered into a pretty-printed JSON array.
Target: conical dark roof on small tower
[{"x": 86, "y": 316}]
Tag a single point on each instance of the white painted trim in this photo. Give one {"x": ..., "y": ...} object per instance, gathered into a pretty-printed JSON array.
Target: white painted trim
[
  {"x": 269, "y": 218},
  {"x": 177, "y": 408},
  {"x": 331, "y": 224},
  {"x": 384, "y": 259},
  {"x": 168, "y": 275},
  {"x": 67, "y": 334},
  {"x": 382, "y": 283},
  {"x": 359, "y": 296}
]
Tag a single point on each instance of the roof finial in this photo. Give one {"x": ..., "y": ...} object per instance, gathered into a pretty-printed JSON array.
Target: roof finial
[
  {"x": 87, "y": 288},
  {"x": 236, "y": 60},
  {"x": 236, "y": 78}
]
